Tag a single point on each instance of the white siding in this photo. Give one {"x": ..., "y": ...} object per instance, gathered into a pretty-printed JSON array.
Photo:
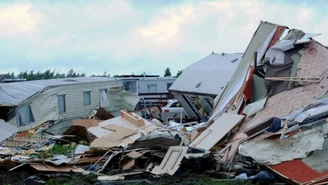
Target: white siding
[
  {"x": 161, "y": 85},
  {"x": 44, "y": 106}
]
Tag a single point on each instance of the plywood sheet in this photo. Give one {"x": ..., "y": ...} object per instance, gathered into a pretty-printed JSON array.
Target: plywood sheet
[
  {"x": 217, "y": 131},
  {"x": 313, "y": 63},
  {"x": 128, "y": 165},
  {"x": 87, "y": 123},
  {"x": 104, "y": 143},
  {"x": 118, "y": 133},
  {"x": 132, "y": 118},
  {"x": 134, "y": 154},
  {"x": 50, "y": 168}
]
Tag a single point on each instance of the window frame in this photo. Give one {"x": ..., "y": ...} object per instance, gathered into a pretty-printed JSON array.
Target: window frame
[
  {"x": 89, "y": 97},
  {"x": 64, "y": 103},
  {"x": 20, "y": 122}
]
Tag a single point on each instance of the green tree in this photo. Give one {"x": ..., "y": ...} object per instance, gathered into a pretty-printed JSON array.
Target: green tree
[
  {"x": 167, "y": 72},
  {"x": 30, "y": 76},
  {"x": 178, "y": 73}
]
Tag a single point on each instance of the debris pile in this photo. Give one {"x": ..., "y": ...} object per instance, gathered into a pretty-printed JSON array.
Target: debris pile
[{"x": 269, "y": 121}]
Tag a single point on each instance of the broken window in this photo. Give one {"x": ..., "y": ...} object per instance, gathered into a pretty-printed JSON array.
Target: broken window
[
  {"x": 87, "y": 98},
  {"x": 152, "y": 88},
  {"x": 24, "y": 115},
  {"x": 130, "y": 86},
  {"x": 103, "y": 98},
  {"x": 61, "y": 104}
]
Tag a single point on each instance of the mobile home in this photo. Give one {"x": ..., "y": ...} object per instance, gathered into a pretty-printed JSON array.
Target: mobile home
[{"x": 31, "y": 103}]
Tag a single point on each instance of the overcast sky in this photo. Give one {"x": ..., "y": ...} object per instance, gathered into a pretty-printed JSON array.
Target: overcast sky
[{"x": 136, "y": 36}]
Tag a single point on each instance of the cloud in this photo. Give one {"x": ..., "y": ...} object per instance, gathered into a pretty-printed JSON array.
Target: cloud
[
  {"x": 123, "y": 37},
  {"x": 18, "y": 20}
]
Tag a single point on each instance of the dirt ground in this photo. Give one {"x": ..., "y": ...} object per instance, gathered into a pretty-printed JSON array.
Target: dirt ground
[{"x": 34, "y": 178}]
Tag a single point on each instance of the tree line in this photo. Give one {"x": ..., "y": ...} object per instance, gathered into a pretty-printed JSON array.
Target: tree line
[
  {"x": 52, "y": 74},
  {"x": 48, "y": 74},
  {"x": 167, "y": 72}
]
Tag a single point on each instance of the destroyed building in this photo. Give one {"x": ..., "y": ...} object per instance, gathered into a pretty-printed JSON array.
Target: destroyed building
[
  {"x": 196, "y": 88},
  {"x": 280, "y": 86},
  {"x": 152, "y": 89},
  {"x": 29, "y": 104}
]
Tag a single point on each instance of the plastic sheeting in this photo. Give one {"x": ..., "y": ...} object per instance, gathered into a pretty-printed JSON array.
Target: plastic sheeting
[{"x": 272, "y": 152}]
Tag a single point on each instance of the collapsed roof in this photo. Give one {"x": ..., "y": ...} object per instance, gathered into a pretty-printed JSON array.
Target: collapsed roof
[{"x": 196, "y": 79}]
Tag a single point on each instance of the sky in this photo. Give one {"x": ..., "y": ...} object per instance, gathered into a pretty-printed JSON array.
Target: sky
[{"x": 137, "y": 36}]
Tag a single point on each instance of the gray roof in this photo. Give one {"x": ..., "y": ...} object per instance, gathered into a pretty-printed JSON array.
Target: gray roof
[
  {"x": 16, "y": 92},
  {"x": 3, "y": 76},
  {"x": 207, "y": 75}
]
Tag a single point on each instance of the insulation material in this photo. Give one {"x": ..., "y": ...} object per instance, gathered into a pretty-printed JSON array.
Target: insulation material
[{"x": 276, "y": 151}]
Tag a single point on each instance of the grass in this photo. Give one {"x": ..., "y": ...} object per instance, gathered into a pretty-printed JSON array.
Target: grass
[{"x": 58, "y": 150}]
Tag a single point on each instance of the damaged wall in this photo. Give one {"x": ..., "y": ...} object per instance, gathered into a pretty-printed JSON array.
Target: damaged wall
[
  {"x": 44, "y": 106},
  {"x": 261, "y": 34}
]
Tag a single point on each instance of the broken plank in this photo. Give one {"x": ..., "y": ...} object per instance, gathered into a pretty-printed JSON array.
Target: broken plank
[
  {"x": 171, "y": 161},
  {"x": 118, "y": 133},
  {"x": 132, "y": 119},
  {"x": 217, "y": 131}
]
